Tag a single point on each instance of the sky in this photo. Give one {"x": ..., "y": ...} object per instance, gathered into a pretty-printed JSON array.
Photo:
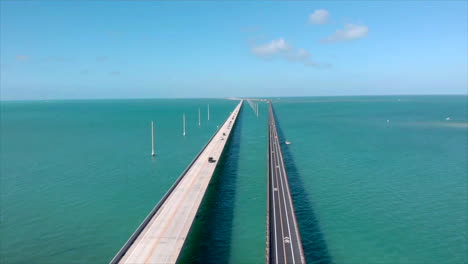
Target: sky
[{"x": 161, "y": 49}]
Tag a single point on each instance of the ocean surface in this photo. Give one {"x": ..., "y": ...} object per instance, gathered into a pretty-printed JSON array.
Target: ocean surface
[{"x": 374, "y": 179}]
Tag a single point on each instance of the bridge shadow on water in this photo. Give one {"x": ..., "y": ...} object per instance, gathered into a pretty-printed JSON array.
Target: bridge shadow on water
[
  {"x": 315, "y": 246},
  {"x": 209, "y": 240}
]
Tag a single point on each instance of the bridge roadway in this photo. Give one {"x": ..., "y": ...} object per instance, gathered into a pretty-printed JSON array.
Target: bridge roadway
[
  {"x": 283, "y": 239},
  {"x": 161, "y": 236}
]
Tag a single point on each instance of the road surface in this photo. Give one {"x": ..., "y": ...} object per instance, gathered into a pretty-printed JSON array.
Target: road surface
[{"x": 285, "y": 244}]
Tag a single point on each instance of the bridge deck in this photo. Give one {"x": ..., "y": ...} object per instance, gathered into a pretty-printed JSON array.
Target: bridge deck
[
  {"x": 284, "y": 240},
  {"x": 162, "y": 238}
]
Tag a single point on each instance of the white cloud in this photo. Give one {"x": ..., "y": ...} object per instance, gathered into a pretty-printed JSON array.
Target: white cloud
[
  {"x": 298, "y": 55},
  {"x": 279, "y": 48},
  {"x": 319, "y": 16},
  {"x": 350, "y": 32},
  {"x": 272, "y": 48}
]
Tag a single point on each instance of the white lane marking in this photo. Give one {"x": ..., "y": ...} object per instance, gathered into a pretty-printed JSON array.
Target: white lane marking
[
  {"x": 274, "y": 215},
  {"x": 287, "y": 213},
  {"x": 281, "y": 218},
  {"x": 294, "y": 217}
]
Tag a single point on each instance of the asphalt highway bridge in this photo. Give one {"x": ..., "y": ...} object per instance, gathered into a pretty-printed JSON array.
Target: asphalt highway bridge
[{"x": 283, "y": 239}]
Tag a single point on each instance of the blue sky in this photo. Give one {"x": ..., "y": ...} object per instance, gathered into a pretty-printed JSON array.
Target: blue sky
[{"x": 153, "y": 49}]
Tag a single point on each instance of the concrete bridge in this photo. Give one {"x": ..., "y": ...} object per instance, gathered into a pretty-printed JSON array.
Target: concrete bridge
[{"x": 161, "y": 236}]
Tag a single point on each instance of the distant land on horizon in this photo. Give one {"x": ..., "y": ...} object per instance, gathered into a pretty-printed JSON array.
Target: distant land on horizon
[{"x": 230, "y": 97}]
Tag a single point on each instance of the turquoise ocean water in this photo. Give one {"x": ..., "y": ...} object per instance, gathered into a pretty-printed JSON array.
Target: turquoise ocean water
[
  {"x": 77, "y": 178},
  {"x": 372, "y": 191}
]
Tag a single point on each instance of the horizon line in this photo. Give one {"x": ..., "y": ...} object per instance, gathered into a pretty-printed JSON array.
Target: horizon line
[{"x": 231, "y": 97}]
